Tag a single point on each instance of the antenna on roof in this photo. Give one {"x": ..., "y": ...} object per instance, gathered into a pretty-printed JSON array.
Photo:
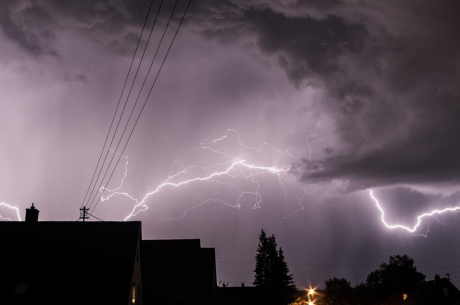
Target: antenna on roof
[{"x": 84, "y": 213}]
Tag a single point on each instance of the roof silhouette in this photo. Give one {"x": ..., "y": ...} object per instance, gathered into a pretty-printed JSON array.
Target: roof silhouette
[
  {"x": 177, "y": 272},
  {"x": 67, "y": 262}
]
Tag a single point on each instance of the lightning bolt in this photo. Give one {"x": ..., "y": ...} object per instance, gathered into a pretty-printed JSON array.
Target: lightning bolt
[
  {"x": 125, "y": 174},
  {"x": 309, "y": 146},
  {"x": 167, "y": 183},
  {"x": 12, "y": 208},
  {"x": 419, "y": 218},
  {"x": 240, "y": 167},
  {"x": 234, "y": 167}
]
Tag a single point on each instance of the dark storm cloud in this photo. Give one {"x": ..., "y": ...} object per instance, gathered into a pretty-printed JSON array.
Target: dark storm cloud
[
  {"x": 28, "y": 27},
  {"x": 382, "y": 77},
  {"x": 403, "y": 205},
  {"x": 33, "y": 24},
  {"x": 390, "y": 73},
  {"x": 423, "y": 159},
  {"x": 306, "y": 47},
  {"x": 310, "y": 52}
]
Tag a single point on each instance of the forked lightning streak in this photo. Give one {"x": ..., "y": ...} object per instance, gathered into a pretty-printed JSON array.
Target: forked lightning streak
[
  {"x": 419, "y": 218},
  {"x": 238, "y": 167},
  {"x": 235, "y": 167},
  {"x": 16, "y": 209}
]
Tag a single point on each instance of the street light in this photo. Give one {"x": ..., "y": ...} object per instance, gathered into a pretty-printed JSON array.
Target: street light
[{"x": 310, "y": 295}]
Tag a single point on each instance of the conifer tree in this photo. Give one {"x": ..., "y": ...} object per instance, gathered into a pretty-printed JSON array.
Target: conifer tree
[
  {"x": 272, "y": 272},
  {"x": 282, "y": 276},
  {"x": 261, "y": 261},
  {"x": 284, "y": 285}
]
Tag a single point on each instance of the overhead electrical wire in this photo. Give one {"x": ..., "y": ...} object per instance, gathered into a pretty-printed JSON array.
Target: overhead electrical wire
[
  {"x": 95, "y": 217},
  {"x": 146, "y": 99},
  {"x": 347, "y": 265},
  {"x": 124, "y": 107},
  {"x": 125, "y": 103},
  {"x": 118, "y": 104},
  {"x": 91, "y": 201}
]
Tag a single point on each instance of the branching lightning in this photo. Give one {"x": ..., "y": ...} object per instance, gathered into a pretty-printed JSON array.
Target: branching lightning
[
  {"x": 309, "y": 146},
  {"x": 12, "y": 208},
  {"x": 233, "y": 167},
  {"x": 419, "y": 218},
  {"x": 239, "y": 167}
]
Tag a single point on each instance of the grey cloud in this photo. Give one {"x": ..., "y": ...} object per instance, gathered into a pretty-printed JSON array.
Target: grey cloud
[
  {"x": 79, "y": 77},
  {"x": 306, "y": 47},
  {"x": 411, "y": 161},
  {"x": 390, "y": 72},
  {"x": 34, "y": 25},
  {"x": 37, "y": 16},
  {"x": 28, "y": 28},
  {"x": 313, "y": 44}
]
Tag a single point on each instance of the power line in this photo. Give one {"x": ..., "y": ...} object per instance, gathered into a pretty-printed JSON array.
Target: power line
[
  {"x": 134, "y": 107},
  {"x": 91, "y": 215},
  {"x": 118, "y": 104},
  {"x": 124, "y": 107},
  {"x": 347, "y": 265},
  {"x": 146, "y": 99},
  {"x": 95, "y": 217}
]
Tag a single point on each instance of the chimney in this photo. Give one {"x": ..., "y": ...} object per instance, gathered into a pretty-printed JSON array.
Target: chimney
[{"x": 32, "y": 214}]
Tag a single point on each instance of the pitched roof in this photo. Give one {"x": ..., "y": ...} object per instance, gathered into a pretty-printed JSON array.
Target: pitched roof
[{"x": 67, "y": 262}]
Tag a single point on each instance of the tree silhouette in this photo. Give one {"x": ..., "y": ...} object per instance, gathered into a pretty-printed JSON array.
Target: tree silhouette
[
  {"x": 262, "y": 261},
  {"x": 272, "y": 272},
  {"x": 284, "y": 283},
  {"x": 338, "y": 292},
  {"x": 399, "y": 274}
]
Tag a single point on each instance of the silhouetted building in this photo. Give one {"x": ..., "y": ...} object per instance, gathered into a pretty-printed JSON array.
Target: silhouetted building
[
  {"x": 70, "y": 263},
  {"x": 177, "y": 272},
  {"x": 100, "y": 263},
  {"x": 240, "y": 295},
  {"x": 440, "y": 292}
]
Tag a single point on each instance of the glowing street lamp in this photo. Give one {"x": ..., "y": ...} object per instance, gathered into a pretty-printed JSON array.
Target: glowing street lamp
[{"x": 310, "y": 295}]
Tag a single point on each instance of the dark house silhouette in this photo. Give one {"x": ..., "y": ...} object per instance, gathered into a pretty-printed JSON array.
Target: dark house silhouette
[
  {"x": 178, "y": 272},
  {"x": 240, "y": 296},
  {"x": 99, "y": 263},
  {"x": 439, "y": 291},
  {"x": 69, "y": 262}
]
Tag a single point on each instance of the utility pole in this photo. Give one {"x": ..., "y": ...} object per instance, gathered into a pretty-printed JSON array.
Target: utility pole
[
  {"x": 84, "y": 213},
  {"x": 448, "y": 276}
]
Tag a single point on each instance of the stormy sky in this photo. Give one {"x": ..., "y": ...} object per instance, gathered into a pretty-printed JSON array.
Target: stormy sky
[{"x": 362, "y": 94}]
